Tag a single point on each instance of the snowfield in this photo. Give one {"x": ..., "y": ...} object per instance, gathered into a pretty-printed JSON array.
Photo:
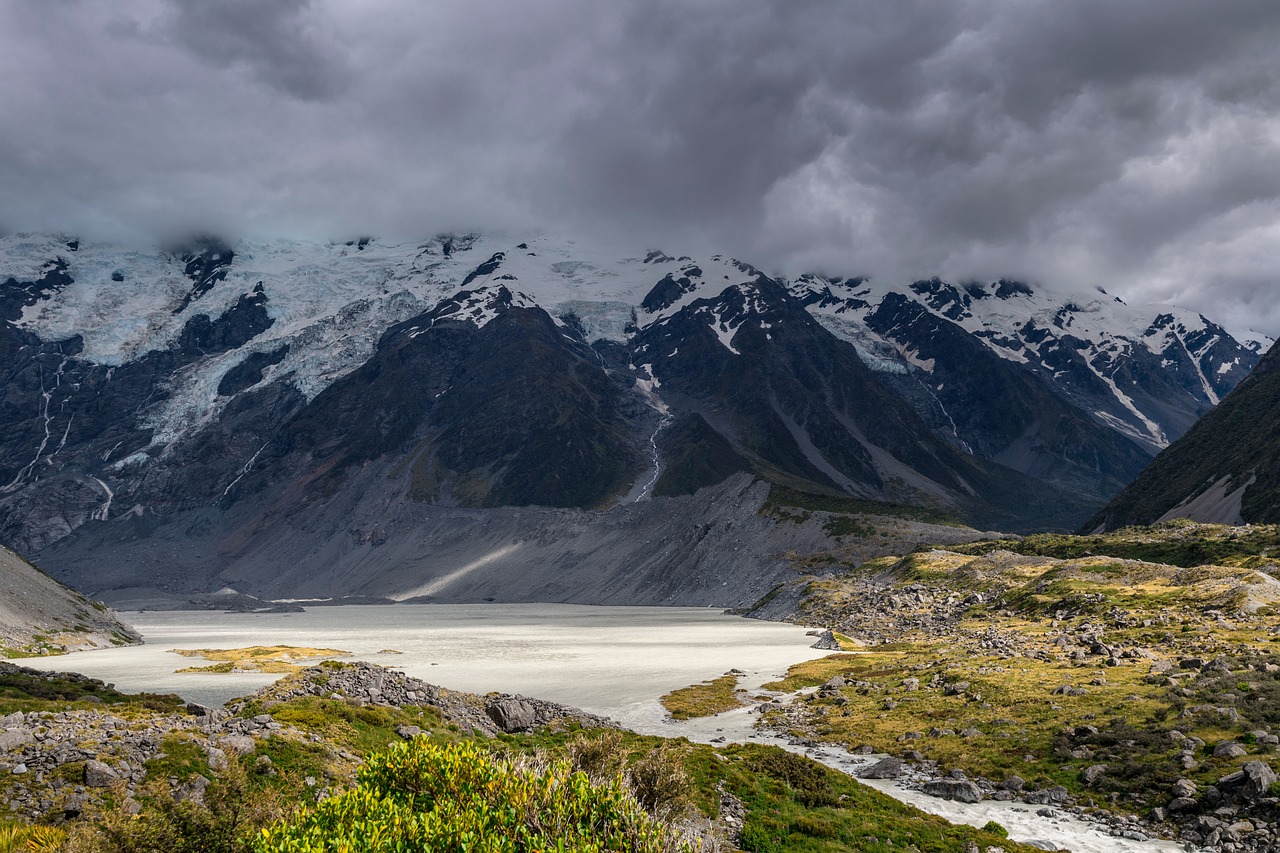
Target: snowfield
[{"x": 330, "y": 303}]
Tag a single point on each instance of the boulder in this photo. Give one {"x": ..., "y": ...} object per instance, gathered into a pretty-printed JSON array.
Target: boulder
[
  {"x": 827, "y": 642},
  {"x": 1013, "y": 783},
  {"x": 1229, "y": 749},
  {"x": 512, "y": 715},
  {"x": 242, "y": 744},
  {"x": 1183, "y": 788},
  {"x": 1093, "y": 774},
  {"x": 99, "y": 775},
  {"x": 1250, "y": 783},
  {"x": 960, "y": 790},
  {"x": 885, "y": 768},
  {"x": 14, "y": 738}
]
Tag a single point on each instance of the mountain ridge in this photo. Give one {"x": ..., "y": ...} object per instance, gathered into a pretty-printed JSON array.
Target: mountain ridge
[
  {"x": 483, "y": 373},
  {"x": 1225, "y": 470}
]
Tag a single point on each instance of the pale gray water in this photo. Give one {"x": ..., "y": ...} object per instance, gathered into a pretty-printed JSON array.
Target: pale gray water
[{"x": 607, "y": 660}]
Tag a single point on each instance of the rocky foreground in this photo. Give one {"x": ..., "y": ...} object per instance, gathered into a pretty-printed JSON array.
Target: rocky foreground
[{"x": 55, "y": 764}]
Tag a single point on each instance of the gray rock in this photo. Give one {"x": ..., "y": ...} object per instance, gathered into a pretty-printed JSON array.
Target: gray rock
[
  {"x": 217, "y": 758},
  {"x": 885, "y": 768},
  {"x": 1183, "y": 788},
  {"x": 1093, "y": 774},
  {"x": 243, "y": 744},
  {"x": 827, "y": 642},
  {"x": 512, "y": 715},
  {"x": 408, "y": 732},
  {"x": 1229, "y": 749},
  {"x": 12, "y": 739},
  {"x": 99, "y": 775},
  {"x": 960, "y": 790},
  {"x": 1250, "y": 783}
]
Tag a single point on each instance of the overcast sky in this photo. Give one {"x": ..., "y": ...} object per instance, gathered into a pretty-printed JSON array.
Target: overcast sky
[{"x": 1132, "y": 145}]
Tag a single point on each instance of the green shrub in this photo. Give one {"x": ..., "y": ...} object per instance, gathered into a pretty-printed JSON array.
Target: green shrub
[
  {"x": 810, "y": 782},
  {"x": 995, "y": 829},
  {"x": 421, "y": 796}
]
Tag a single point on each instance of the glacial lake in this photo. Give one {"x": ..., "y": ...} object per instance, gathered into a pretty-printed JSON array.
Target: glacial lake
[
  {"x": 614, "y": 661},
  {"x": 608, "y": 660}
]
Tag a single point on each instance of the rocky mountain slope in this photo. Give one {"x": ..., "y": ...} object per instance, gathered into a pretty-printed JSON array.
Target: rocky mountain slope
[
  {"x": 1226, "y": 469},
  {"x": 38, "y": 615},
  {"x": 277, "y": 409}
]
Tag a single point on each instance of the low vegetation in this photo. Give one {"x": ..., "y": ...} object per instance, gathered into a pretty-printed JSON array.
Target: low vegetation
[
  {"x": 786, "y": 501},
  {"x": 1058, "y": 660},
  {"x": 1177, "y": 543},
  {"x": 419, "y": 795},
  {"x": 21, "y": 691},
  {"x": 272, "y": 659},
  {"x": 705, "y": 699},
  {"x": 363, "y": 778}
]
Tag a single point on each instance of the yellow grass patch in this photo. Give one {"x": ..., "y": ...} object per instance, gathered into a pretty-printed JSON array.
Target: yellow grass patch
[{"x": 271, "y": 659}]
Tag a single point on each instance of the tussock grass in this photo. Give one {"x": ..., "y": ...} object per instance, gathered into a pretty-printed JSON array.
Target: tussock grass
[
  {"x": 277, "y": 659},
  {"x": 703, "y": 700}
]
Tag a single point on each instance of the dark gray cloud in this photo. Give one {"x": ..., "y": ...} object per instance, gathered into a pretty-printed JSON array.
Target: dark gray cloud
[{"x": 1134, "y": 145}]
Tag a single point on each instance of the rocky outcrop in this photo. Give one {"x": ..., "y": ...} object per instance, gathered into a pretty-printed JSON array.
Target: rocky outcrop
[
  {"x": 375, "y": 685},
  {"x": 1250, "y": 784},
  {"x": 56, "y": 764}
]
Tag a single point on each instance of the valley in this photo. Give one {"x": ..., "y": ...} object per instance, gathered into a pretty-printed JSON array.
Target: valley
[
  {"x": 383, "y": 492},
  {"x": 307, "y": 419}
]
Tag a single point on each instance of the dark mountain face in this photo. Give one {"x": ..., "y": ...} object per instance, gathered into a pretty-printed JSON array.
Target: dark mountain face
[
  {"x": 513, "y": 413},
  {"x": 998, "y": 410},
  {"x": 757, "y": 384},
  {"x": 1225, "y": 469},
  {"x": 207, "y": 413}
]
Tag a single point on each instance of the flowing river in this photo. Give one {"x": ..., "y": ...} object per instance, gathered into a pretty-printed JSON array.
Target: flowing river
[{"x": 614, "y": 661}]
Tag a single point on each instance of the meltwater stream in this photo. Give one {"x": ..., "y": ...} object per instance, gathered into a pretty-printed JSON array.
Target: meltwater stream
[{"x": 614, "y": 661}]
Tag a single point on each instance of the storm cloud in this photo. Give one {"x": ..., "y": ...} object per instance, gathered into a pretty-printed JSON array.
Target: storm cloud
[{"x": 1133, "y": 146}]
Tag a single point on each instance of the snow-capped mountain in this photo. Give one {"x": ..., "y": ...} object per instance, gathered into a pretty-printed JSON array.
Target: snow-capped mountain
[
  {"x": 214, "y": 386},
  {"x": 1149, "y": 372},
  {"x": 1225, "y": 470}
]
